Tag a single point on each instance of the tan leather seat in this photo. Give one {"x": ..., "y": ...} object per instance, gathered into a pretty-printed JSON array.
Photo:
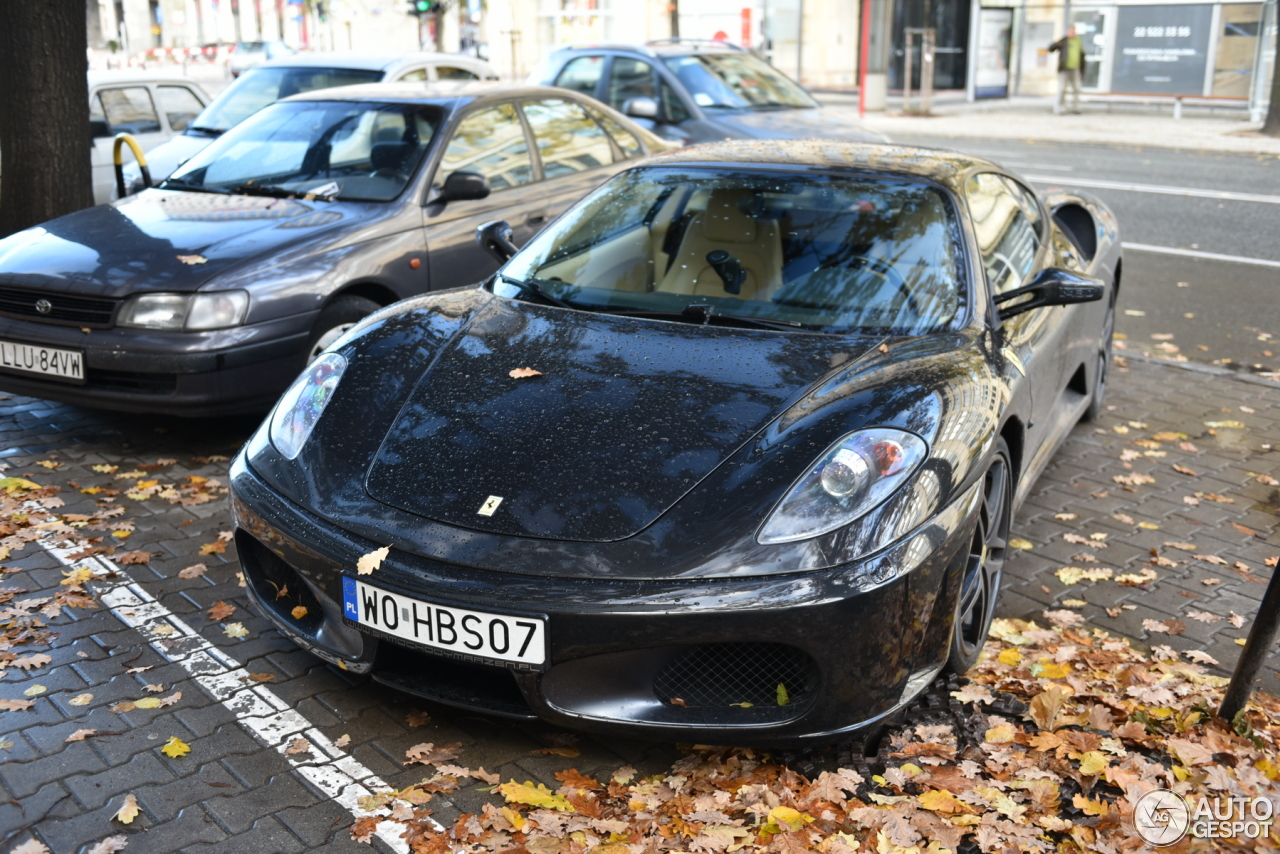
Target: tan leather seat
[{"x": 755, "y": 243}]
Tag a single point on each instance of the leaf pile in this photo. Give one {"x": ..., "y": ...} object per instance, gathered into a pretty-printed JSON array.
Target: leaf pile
[{"x": 1049, "y": 745}]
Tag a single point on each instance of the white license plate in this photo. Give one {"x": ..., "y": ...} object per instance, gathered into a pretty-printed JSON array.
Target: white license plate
[
  {"x": 36, "y": 359},
  {"x": 458, "y": 631}
]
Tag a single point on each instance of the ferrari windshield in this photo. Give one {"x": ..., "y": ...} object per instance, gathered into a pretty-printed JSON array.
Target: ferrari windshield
[
  {"x": 332, "y": 149},
  {"x": 823, "y": 252},
  {"x": 737, "y": 81}
]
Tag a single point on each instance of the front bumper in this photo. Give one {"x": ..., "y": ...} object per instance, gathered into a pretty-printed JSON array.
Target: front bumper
[
  {"x": 227, "y": 372},
  {"x": 853, "y": 644}
]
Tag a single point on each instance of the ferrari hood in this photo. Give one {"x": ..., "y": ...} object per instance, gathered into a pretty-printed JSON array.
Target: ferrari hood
[
  {"x": 622, "y": 418},
  {"x": 162, "y": 241}
]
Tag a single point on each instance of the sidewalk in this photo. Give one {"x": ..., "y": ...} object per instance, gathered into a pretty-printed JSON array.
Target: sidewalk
[{"x": 1098, "y": 123}]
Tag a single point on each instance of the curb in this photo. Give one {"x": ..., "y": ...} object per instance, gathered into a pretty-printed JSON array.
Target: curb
[{"x": 1201, "y": 368}]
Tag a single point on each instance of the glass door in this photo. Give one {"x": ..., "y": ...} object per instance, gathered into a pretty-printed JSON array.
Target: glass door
[{"x": 1095, "y": 29}]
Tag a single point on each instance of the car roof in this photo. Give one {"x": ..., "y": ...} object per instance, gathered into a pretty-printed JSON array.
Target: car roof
[
  {"x": 108, "y": 78},
  {"x": 940, "y": 165},
  {"x": 451, "y": 93},
  {"x": 657, "y": 47},
  {"x": 370, "y": 61}
]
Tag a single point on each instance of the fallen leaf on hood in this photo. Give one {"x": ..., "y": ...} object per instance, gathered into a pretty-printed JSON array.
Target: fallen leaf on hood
[
  {"x": 521, "y": 373},
  {"x": 192, "y": 260},
  {"x": 79, "y": 735},
  {"x": 221, "y": 610},
  {"x": 129, "y": 811},
  {"x": 368, "y": 563}
]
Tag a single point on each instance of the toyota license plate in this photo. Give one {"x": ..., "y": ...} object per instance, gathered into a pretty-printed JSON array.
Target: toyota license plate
[
  {"x": 457, "y": 632},
  {"x": 38, "y": 359}
]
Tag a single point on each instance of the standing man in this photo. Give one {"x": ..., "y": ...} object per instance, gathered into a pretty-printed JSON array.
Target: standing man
[{"x": 1070, "y": 61}]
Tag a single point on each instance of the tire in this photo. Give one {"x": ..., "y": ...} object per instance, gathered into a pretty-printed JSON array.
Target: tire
[
  {"x": 1098, "y": 395},
  {"x": 980, "y": 580},
  {"x": 336, "y": 318}
]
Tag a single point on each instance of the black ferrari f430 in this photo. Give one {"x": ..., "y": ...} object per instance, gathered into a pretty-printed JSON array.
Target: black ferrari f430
[{"x": 727, "y": 453}]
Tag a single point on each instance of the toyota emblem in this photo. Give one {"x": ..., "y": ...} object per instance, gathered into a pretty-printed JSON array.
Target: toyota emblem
[{"x": 44, "y": 306}]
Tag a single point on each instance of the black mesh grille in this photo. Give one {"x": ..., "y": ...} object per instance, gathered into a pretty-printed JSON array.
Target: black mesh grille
[
  {"x": 63, "y": 308},
  {"x": 270, "y": 577},
  {"x": 455, "y": 683},
  {"x": 727, "y": 674}
]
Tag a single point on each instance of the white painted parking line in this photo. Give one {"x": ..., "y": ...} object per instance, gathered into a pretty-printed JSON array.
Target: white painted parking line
[
  {"x": 271, "y": 721},
  {"x": 1196, "y": 253},
  {"x": 1153, "y": 188}
]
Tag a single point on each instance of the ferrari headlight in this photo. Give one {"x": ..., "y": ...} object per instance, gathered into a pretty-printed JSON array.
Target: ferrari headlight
[
  {"x": 850, "y": 479},
  {"x": 301, "y": 406},
  {"x": 193, "y": 312}
]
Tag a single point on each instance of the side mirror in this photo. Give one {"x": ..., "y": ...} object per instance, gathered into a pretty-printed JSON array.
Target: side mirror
[
  {"x": 464, "y": 186},
  {"x": 1052, "y": 286},
  {"x": 641, "y": 108},
  {"x": 495, "y": 238},
  {"x": 99, "y": 129}
]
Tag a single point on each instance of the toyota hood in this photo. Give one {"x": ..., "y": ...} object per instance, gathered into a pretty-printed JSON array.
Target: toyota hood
[
  {"x": 163, "y": 240},
  {"x": 622, "y": 418}
]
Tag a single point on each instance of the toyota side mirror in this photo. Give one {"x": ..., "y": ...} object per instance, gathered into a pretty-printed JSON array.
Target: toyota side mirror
[
  {"x": 464, "y": 186},
  {"x": 495, "y": 238},
  {"x": 1052, "y": 286},
  {"x": 641, "y": 108}
]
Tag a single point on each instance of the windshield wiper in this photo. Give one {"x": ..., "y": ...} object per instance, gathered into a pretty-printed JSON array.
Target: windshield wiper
[
  {"x": 535, "y": 288},
  {"x": 252, "y": 189},
  {"x": 179, "y": 184},
  {"x": 706, "y": 313},
  {"x": 210, "y": 131}
]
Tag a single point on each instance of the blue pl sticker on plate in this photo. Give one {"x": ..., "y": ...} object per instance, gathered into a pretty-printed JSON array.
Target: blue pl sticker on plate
[{"x": 349, "y": 598}]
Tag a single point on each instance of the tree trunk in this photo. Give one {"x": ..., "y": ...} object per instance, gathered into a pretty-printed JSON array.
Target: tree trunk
[
  {"x": 44, "y": 112},
  {"x": 1272, "y": 124}
]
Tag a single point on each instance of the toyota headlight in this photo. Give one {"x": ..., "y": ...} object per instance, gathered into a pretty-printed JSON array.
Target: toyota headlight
[
  {"x": 192, "y": 312},
  {"x": 850, "y": 479},
  {"x": 300, "y": 407}
]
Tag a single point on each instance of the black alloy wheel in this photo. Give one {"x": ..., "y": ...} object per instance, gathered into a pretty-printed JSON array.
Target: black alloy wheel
[
  {"x": 1099, "y": 395},
  {"x": 980, "y": 584}
]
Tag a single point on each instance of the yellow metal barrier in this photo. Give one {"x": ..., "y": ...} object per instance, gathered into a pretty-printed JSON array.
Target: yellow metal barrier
[{"x": 121, "y": 140}]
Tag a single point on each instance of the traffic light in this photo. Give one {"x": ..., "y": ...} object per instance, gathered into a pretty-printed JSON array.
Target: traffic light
[{"x": 421, "y": 7}]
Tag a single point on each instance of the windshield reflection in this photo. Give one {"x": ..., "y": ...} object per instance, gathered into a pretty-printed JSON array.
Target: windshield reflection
[
  {"x": 817, "y": 251},
  {"x": 322, "y": 149},
  {"x": 736, "y": 81}
]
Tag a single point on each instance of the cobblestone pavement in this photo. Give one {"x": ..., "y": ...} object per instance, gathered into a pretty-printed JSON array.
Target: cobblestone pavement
[{"x": 230, "y": 793}]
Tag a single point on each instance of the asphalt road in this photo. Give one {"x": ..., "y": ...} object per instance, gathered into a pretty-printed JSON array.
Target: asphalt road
[{"x": 1214, "y": 308}]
